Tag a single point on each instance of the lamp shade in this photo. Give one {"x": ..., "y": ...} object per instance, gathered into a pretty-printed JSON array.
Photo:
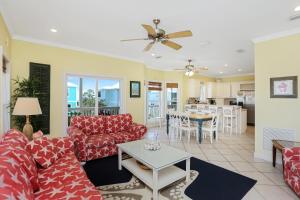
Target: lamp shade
[{"x": 27, "y": 106}]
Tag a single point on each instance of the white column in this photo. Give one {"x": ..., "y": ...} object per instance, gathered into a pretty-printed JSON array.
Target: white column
[
  {"x": 96, "y": 98},
  {"x": 80, "y": 92}
]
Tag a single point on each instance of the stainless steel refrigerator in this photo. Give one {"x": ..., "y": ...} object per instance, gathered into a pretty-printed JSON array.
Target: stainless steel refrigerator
[{"x": 246, "y": 98}]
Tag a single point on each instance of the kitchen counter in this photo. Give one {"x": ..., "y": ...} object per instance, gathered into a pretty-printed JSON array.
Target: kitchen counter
[{"x": 241, "y": 122}]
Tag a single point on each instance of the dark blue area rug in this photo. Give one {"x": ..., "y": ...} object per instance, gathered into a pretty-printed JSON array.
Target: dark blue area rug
[{"x": 212, "y": 182}]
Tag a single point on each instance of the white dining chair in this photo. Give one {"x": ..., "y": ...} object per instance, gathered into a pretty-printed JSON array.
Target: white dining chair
[
  {"x": 174, "y": 123},
  {"x": 210, "y": 127},
  {"x": 187, "y": 126}
]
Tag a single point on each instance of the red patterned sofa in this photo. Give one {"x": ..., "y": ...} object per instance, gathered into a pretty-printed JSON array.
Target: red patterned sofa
[
  {"x": 22, "y": 177},
  {"x": 97, "y": 136},
  {"x": 291, "y": 171}
]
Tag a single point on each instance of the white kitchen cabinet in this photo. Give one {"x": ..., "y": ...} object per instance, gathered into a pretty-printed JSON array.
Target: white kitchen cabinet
[
  {"x": 211, "y": 88},
  {"x": 194, "y": 88},
  {"x": 235, "y": 88},
  {"x": 223, "y": 90}
]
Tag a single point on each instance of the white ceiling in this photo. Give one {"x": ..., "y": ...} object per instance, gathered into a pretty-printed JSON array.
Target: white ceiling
[{"x": 99, "y": 25}]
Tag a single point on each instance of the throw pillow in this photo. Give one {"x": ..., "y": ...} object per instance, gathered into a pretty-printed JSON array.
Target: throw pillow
[
  {"x": 43, "y": 151},
  {"x": 37, "y": 134}
]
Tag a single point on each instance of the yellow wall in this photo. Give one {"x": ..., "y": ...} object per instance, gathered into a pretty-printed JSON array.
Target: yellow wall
[
  {"x": 275, "y": 58},
  {"x": 64, "y": 61},
  {"x": 238, "y": 78},
  {"x": 5, "y": 39},
  {"x": 5, "y": 44}
]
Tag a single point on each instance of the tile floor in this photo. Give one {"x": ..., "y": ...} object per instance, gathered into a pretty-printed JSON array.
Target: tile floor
[{"x": 235, "y": 153}]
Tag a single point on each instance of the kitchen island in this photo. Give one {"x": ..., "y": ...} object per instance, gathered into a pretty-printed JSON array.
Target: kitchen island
[{"x": 242, "y": 117}]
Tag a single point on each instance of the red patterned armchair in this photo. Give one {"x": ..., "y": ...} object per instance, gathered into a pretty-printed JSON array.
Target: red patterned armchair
[
  {"x": 98, "y": 136},
  {"x": 291, "y": 171}
]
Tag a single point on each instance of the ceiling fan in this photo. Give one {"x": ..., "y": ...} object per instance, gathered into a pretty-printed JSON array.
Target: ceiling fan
[
  {"x": 158, "y": 35},
  {"x": 190, "y": 69}
]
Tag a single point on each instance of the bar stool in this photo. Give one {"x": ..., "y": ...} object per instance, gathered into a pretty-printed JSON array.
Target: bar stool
[{"x": 229, "y": 116}]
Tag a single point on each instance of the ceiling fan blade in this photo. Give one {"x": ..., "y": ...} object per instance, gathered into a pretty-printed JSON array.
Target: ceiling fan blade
[
  {"x": 180, "y": 34},
  {"x": 201, "y": 68},
  {"x": 134, "y": 39},
  {"x": 150, "y": 30},
  {"x": 171, "y": 44},
  {"x": 149, "y": 46}
]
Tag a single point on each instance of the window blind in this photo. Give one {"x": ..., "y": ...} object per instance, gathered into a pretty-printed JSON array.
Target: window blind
[
  {"x": 172, "y": 85},
  {"x": 154, "y": 86}
]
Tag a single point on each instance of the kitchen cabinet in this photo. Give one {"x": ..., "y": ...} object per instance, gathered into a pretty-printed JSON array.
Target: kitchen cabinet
[
  {"x": 227, "y": 89},
  {"x": 211, "y": 89},
  {"x": 235, "y": 88},
  {"x": 223, "y": 90}
]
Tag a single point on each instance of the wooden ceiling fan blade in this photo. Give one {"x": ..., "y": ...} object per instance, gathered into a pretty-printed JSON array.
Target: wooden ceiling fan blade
[
  {"x": 134, "y": 39},
  {"x": 150, "y": 30},
  {"x": 201, "y": 68},
  {"x": 171, "y": 44},
  {"x": 149, "y": 46},
  {"x": 180, "y": 34}
]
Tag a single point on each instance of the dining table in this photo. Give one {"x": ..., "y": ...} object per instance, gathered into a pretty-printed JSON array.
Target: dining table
[{"x": 199, "y": 118}]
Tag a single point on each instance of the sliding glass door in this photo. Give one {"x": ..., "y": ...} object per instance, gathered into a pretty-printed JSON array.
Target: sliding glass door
[
  {"x": 172, "y": 99},
  {"x": 154, "y": 101},
  {"x": 93, "y": 95}
]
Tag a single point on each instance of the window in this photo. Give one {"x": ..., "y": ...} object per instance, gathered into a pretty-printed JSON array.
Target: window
[
  {"x": 202, "y": 91},
  {"x": 154, "y": 99},
  {"x": 172, "y": 96},
  {"x": 93, "y": 96}
]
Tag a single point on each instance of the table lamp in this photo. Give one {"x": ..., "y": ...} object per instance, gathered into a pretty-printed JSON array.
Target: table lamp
[{"x": 27, "y": 106}]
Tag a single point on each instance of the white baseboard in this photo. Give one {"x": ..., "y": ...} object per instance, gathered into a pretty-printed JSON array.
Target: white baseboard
[{"x": 268, "y": 156}]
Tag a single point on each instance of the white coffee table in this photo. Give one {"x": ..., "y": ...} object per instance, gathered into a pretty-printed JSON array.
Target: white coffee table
[{"x": 161, "y": 162}]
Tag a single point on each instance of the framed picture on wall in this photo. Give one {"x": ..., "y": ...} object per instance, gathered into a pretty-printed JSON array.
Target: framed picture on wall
[
  {"x": 135, "y": 89},
  {"x": 284, "y": 87}
]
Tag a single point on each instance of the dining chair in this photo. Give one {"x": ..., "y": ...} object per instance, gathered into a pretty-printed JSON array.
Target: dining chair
[
  {"x": 210, "y": 127},
  {"x": 174, "y": 123},
  {"x": 187, "y": 126}
]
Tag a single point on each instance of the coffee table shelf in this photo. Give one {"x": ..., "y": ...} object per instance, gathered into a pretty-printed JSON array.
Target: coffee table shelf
[
  {"x": 166, "y": 176},
  {"x": 161, "y": 162}
]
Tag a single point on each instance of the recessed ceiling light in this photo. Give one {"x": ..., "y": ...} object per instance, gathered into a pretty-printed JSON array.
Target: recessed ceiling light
[
  {"x": 240, "y": 51},
  {"x": 221, "y": 72},
  {"x": 239, "y": 70},
  {"x": 297, "y": 9},
  {"x": 53, "y": 30},
  {"x": 226, "y": 65},
  {"x": 153, "y": 54}
]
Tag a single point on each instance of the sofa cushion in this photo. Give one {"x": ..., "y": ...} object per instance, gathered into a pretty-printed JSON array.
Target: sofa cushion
[
  {"x": 16, "y": 137},
  {"x": 43, "y": 150},
  {"x": 64, "y": 145},
  {"x": 65, "y": 179},
  {"x": 99, "y": 141},
  {"x": 122, "y": 137},
  {"x": 90, "y": 125},
  {"x": 113, "y": 123},
  {"x": 295, "y": 168},
  {"x": 125, "y": 122},
  {"x": 25, "y": 160},
  {"x": 14, "y": 183}
]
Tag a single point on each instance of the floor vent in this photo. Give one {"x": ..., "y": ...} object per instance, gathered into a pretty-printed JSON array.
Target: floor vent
[{"x": 270, "y": 134}]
